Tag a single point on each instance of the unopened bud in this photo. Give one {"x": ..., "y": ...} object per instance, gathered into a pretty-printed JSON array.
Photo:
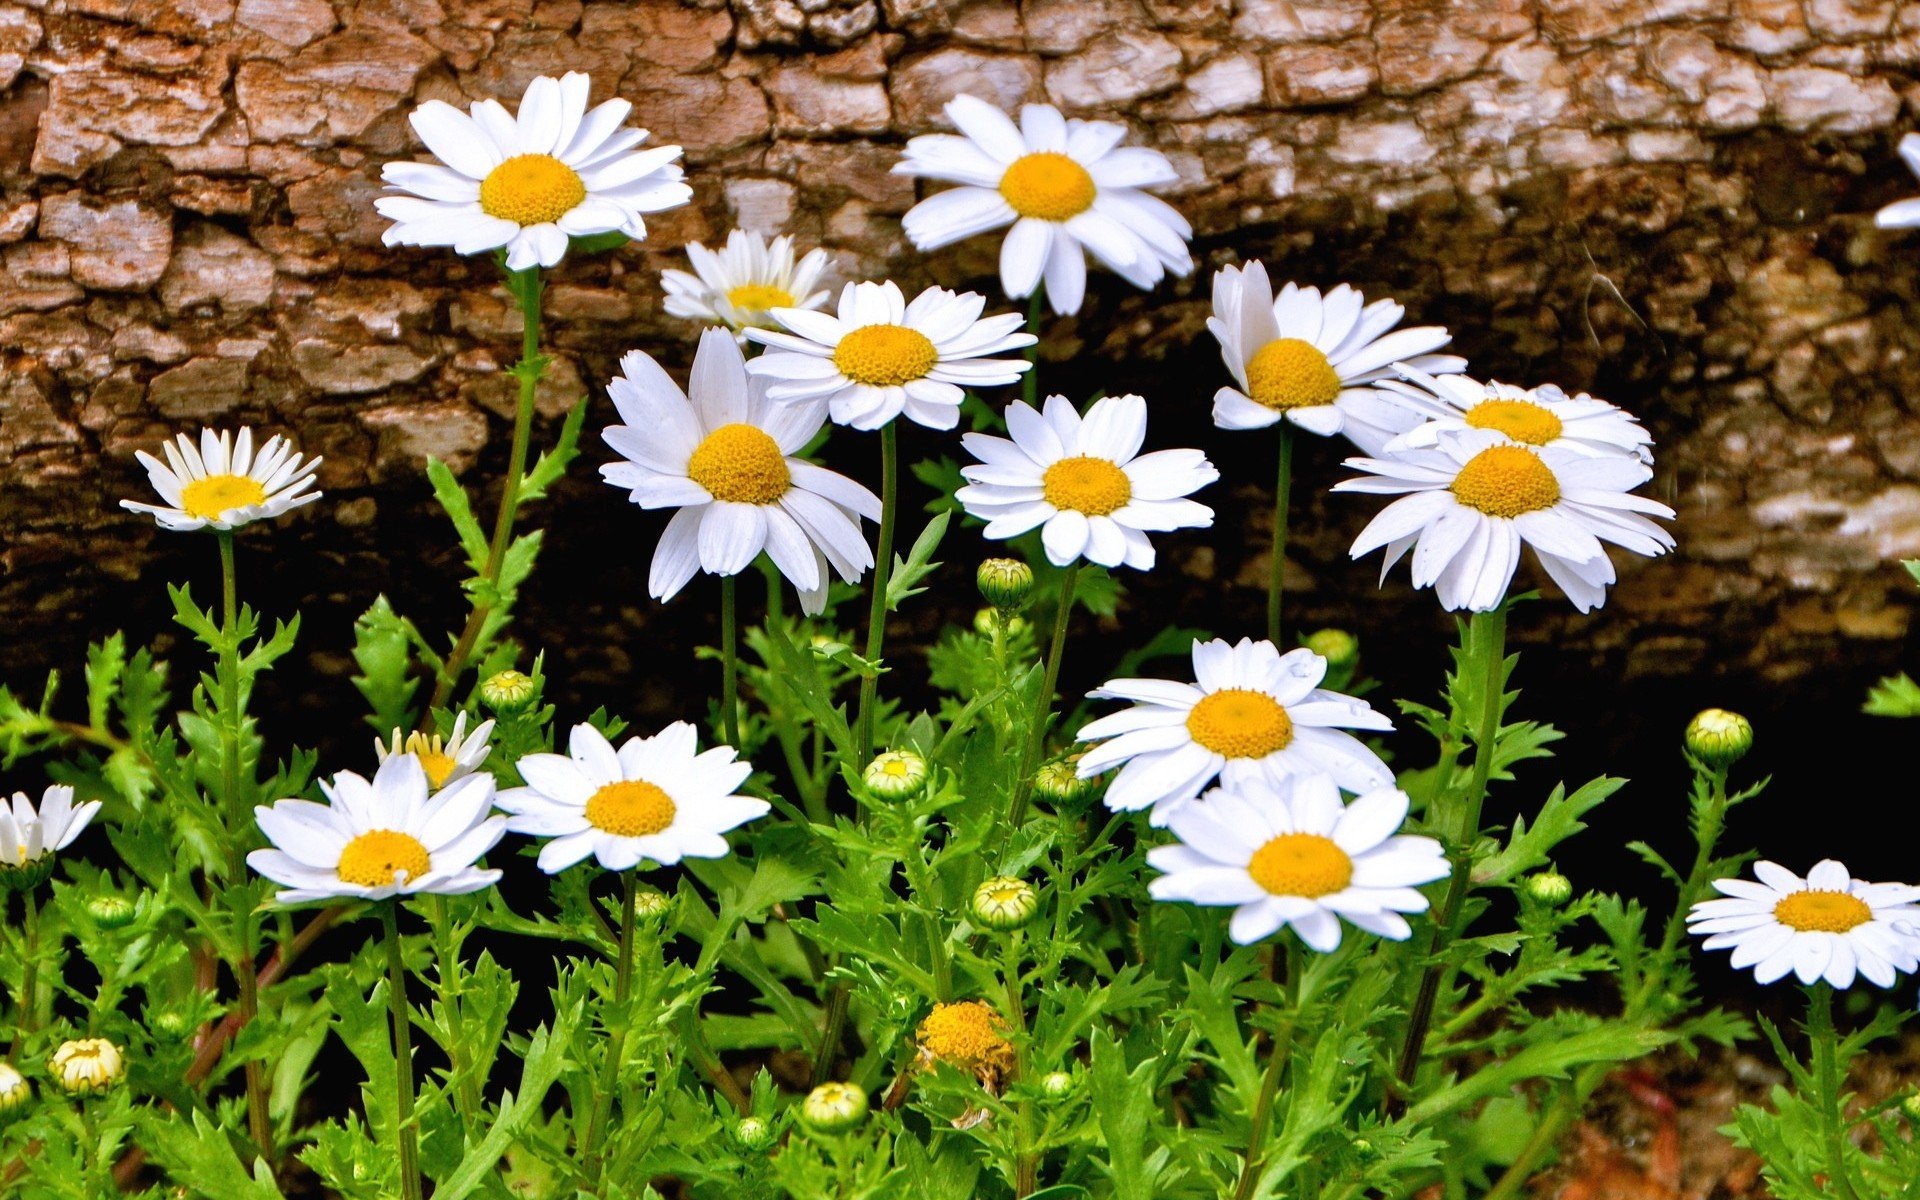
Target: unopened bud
[
  {"x": 111, "y": 910},
  {"x": 1059, "y": 1084},
  {"x": 834, "y": 1108},
  {"x": 1005, "y": 583},
  {"x": 1550, "y": 888},
  {"x": 1911, "y": 1107},
  {"x": 1059, "y": 782},
  {"x": 651, "y": 906},
  {"x": 15, "y": 1092},
  {"x": 1718, "y": 737},
  {"x": 752, "y": 1134},
  {"x": 1340, "y": 648},
  {"x": 86, "y": 1066},
  {"x": 507, "y": 692},
  {"x": 1004, "y": 903},
  {"x": 896, "y": 775}
]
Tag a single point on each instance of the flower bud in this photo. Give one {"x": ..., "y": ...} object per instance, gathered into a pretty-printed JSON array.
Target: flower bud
[
  {"x": 896, "y": 775},
  {"x": 111, "y": 910},
  {"x": 651, "y": 906},
  {"x": 15, "y": 1092},
  {"x": 752, "y": 1134},
  {"x": 170, "y": 1023},
  {"x": 85, "y": 1066},
  {"x": 507, "y": 692},
  {"x": 1059, "y": 1084},
  {"x": 1550, "y": 888},
  {"x": 1718, "y": 737},
  {"x": 985, "y": 620},
  {"x": 1005, "y": 583},
  {"x": 834, "y": 1108},
  {"x": 1059, "y": 782},
  {"x": 1911, "y": 1107},
  {"x": 1003, "y": 903},
  {"x": 1340, "y": 648}
]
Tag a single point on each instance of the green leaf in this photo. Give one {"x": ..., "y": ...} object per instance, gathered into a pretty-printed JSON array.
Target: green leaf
[
  {"x": 381, "y": 638},
  {"x": 546, "y": 1058},
  {"x": 1529, "y": 846},
  {"x": 453, "y": 500},
  {"x": 1894, "y": 696},
  {"x": 918, "y": 564}
]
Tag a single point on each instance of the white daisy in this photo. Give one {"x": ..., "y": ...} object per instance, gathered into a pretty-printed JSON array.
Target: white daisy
[
  {"x": 445, "y": 760},
  {"x": 1084, "y": 481},
  {"x": 223, "y": 484},
  {"x": 393, "y": 836},
  {"x": 883, "y": 356},
  {"x": 1541, "y": 416},
  {"x": 1827, "y": 926},
  {"x": 1476, "y": 496},
  {"x": 528, "y": 183},
  {"x": 742, "y": 284},
  {"x": 1252, "y": 714},
  {"x": 725, "y": 459},
  {"x": 1308, "y": 358},
  {"x": 656, "y": 798},
  {"x": 30, "y": 837},
  {"x": 1903, "y": 214},
  {"x": 1290, "y": 853},
  {"x": 1066, "y": 187}
]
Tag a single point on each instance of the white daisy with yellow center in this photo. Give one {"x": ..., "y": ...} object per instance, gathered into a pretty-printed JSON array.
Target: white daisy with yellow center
[
  {"x": 1291, "y": 854},
  {"x": 1068, "y": 189},
  {"x": 1084, "y": 482},
  {"x": 1470, "y": 501},
  {"x": 656, "y": 798},
  {"x": 529, "y": 182},
  {"x": 374, "y": 839},
  {"x": 446, "y": 760},
  {"x": 1903, "y": 214},
  {"x": 1252, "y": 714},
  {"x": 223, "y": 483},
  {"x": 743, "y": 283},
  {"x": 724, "y": 455},
  {"x": 1540, "y": 416},
  {"x": 882, "y": 356},
  {"x": 1827, "y": 926},
  {"x": 30, "y": 836},
  {"x": 1313, "y": 360}
]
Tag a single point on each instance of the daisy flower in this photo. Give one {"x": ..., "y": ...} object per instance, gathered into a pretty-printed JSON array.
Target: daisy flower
[
  {"x": 883, "y": 356},
  {"x": 1084, "y": 481},
  {"x": 1251, "y": 715},
  {"x": 1473, "y": 498},
  {"x": 1903, "y": 214},
  {"x": 224, "y": 484},
  {"x": 1827, "y": 926},
  {"x": 30, "y": 837},
  {"x": 725, "y": 459},
  {"x": 1290, "y": 853},
  {"x": 656, "y": 798},
  {"x": 529, "y": 182},
  {"x": 445, "y": 760},
  {"x": 1307, "y": 358},
  {"x": 742, "y": 284},
  {"x": 1067, "y": 187},
  {"x": 1541, "y": 416},
  {"x": 372, "y": 840}
]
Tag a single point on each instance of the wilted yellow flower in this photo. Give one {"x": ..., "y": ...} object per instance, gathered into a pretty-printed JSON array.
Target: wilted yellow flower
[{"x": 968, "y": 1035}]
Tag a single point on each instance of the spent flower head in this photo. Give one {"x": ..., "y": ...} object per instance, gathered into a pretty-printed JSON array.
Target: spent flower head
[{"x": 970, "y": 1035}]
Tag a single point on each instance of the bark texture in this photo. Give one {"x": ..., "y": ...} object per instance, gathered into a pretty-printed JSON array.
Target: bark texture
[{"x": 1667, "y": 202}]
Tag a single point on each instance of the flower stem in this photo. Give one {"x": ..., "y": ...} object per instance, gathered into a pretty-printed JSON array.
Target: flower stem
[
  {"x": 405, "y": 1135},
  {"x": 29, "y": 971},
  {"x": 1030, "y": 382},
  {"x": 450, "y": 980},
  {"x": 1277, "y": 1052},
  {"x": 591, "y": 1150},
  {"x": 730, "y": 662},
  {"x": 1826, "y": 1078},
  {"x": 877, "y": 612},
  {"x": 1043, "y": 702},
  {"x": 1282, "y": 497}
]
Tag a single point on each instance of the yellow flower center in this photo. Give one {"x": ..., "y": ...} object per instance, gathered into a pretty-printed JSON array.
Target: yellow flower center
[
  {"x": 1521, "y": 420},
  {"x": 531, "y": 189},
  {"x": 630, "y": 808},
  {"x": 968, "y": 1035},
  {"x": 740, "y": 463},
  {"x": 1301, "y": 864},
  {"x": 1240, "y": 723},
  {"x": 378, "y": 857},
  {"x": 885, "y": 355},
  {"x": 759, "y": 297},
  {"x": 1822, "y": 912},
  {"x": 1048, "y": 185},
  {"x": 1094, "y": 486},
  {"x": 432, "y": 753},
  {"x": 209, "y": 497},
  {"x": 1291, "y": 373},
  {"x": 1506, "y": 481}
]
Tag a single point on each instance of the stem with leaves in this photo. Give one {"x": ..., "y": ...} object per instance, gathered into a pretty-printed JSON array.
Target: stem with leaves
[
  {"x": 29, "y": 971},
  {"x": 1826, "y": 1075},
  {"x": 591, "y": 1148},
  {"x": 1277, "y": 1057},
  {"x": 877, "y": 612},
  {"x": 1043, "y": 701},
  {"x": 405, "y": 1135}
]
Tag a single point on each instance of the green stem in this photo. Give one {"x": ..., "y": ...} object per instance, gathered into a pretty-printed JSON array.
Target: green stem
[
  {"x": 1826, "y": 1076},
  {"x": 877, "y": 611},
  {"x": 29, "y": 971},
  {"x": 1282, "y": 497},
  {"x": 1030, "y": 382},
  {"x": 592, "y": 1150},
  {"x": 405, "y": 1135},
  {"x": 1043, "y": 702},
  {"x": 450, "y": 977},
  {"x": 1026, "y": 1162},
  {"x": 1277, "y": 1053},
  {"x": 730, "y": 662},
  {"x": 839, "y": 997}
]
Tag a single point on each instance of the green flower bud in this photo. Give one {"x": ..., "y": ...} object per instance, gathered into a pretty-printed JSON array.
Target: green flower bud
[
  {"x": 1059, "y": 782},
  {"x": 1718, "y": 737},
  {"x": 1004, "y": 902},
  {"x": 171, "y": 1024},
  {"x": 1911, "y": 1107},
  {"x": 651, "y": 907},
  {"x": 1005, "y": 583},
  {"x": 752, "y": 1135},
  {"x": 1059, "y": 1084},
  {"x": 15, "y": 1092},
  {"x": 896, "y": 775},
  {"x": 985, "y": 620},
  {"x": 111, "y": 910},
  {"x": 507, "y": 692},
  {"x": 1550, "y": 888},
  {"x": 834, "y": 1108},
  {"x": 1340, "y": 648},
  {"x": 87, "y": 1066}
]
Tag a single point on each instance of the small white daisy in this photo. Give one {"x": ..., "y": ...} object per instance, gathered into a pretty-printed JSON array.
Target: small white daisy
[
  {"x": 1067, "y": 187},
  {"x": 1474, "y": 497},
  {"x": 1290, "y": 853},
  {"x": 1827, "y": 926},
  {"x": 1307, "y": 358},
  {"x": 725, "y": 459},
  {"x": 223, "y": 484},
  {"x": 529, "y": 182},
  {"x": 30, "y": 837},
  {"x": 445, "y": 760},
  {"x": 1541, "y": 416},
  {"x": 1903, "y": 214},
  {"x": 1251, "y": 714},
  {"x": 391, "y": 836},
  {"x": 883, "y": 356},
  {"x": 1084, "y": 481},
  {"x": 657, "y": 798},
  {"x": 742, "y": 284}
]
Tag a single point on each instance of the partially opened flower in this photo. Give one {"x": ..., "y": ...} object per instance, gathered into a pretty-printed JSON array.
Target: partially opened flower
[
  {"x": 445, "y": 760},
  {"x": 1827, "y": 926},
  {"x": 1291, "y": 854},
  {"x": 1903, "y": 214},
  {"x": 30, "y": 837},
  {"x": 725, "y": 459},
  {"x": 528, "y": 183},
  {"x": 1470, "y": 501},
  {"x": 1084, "y": 482},
  {"x": 1541, "y": 416},
  {"x": 743, "y": 283},
  {"x": 1067, "y": 187},
  {"x": 882, "y": 356},
  {"x": 223, "y": 483},
  {"x": 1307, "y": 358},
  {"x": 376, "y": 839},
  {"x": 1252, "y": 714},
  {"x": 657, "y": 798}
]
